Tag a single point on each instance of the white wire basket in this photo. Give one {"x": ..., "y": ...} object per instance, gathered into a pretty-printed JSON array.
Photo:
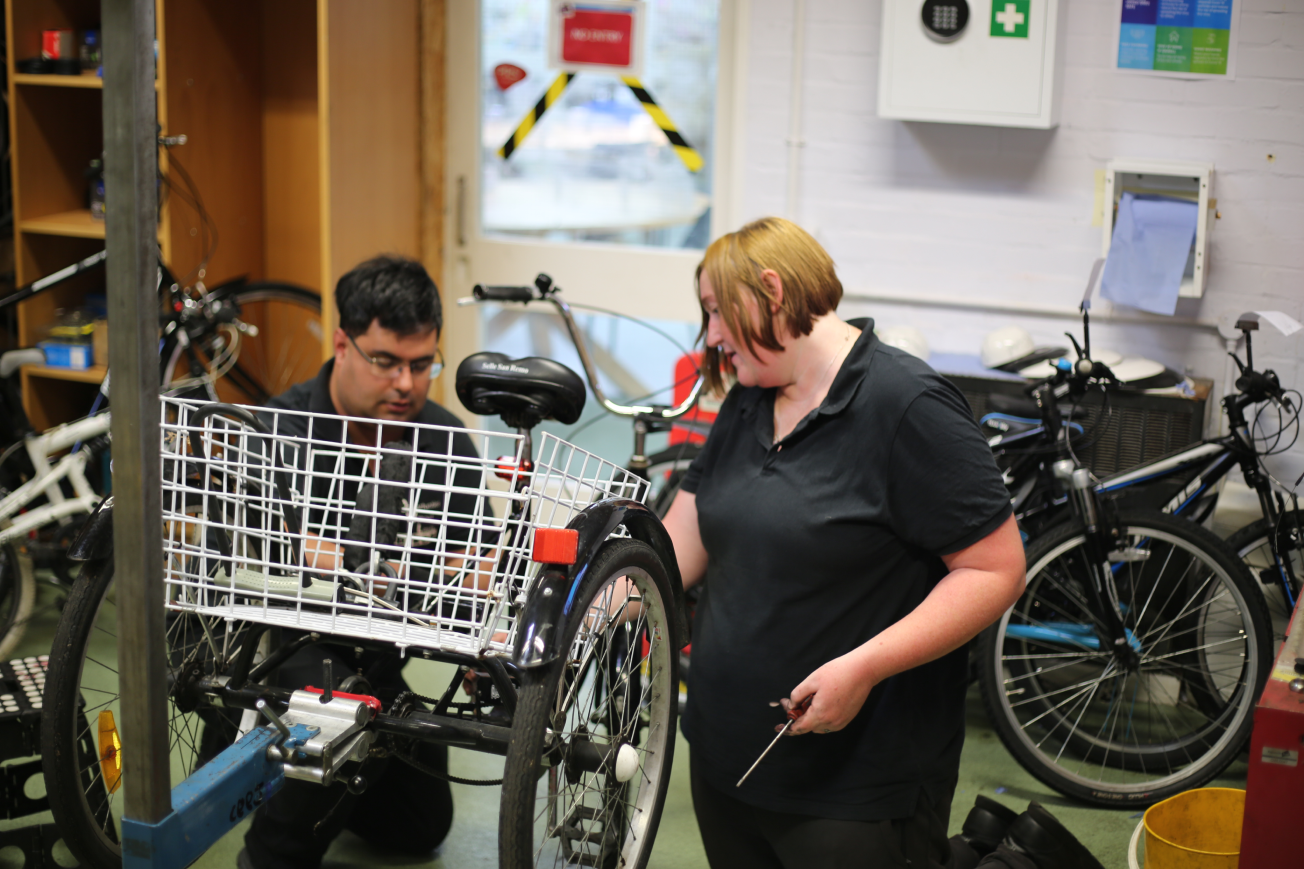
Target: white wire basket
[{"x": 422, "y": 538}]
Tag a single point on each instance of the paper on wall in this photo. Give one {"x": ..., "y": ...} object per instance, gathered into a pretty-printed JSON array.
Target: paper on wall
[
  {"x": 1285, "y": 323},
  {"x": 1148, "y": 252}
]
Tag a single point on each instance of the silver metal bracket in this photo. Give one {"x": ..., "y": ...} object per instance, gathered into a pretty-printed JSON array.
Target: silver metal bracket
[{"x": 340, "y": 736}]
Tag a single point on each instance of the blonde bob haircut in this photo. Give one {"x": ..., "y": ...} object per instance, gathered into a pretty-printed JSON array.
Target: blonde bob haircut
[{"x": 733, "y": 264}]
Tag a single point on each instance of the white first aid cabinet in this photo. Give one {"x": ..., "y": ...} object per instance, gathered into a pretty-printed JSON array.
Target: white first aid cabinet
[{"x": 992, "y": 62}]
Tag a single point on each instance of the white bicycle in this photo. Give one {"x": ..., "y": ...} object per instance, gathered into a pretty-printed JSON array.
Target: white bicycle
[{"x": 18, "y": 519}]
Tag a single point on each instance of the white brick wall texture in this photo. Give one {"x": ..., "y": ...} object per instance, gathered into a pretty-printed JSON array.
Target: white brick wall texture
[{"x": 1003, "y": 216}]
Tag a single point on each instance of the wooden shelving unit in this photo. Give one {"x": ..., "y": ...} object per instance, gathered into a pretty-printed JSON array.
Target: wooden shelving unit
[
  {"x": 85, "y": 80},
  {"x": 77, "y": 223},
  {"x": 303, "y": 120}
]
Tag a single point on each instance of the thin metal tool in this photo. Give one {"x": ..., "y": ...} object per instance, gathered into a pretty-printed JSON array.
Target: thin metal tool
[{"x": 793, "y": 715}]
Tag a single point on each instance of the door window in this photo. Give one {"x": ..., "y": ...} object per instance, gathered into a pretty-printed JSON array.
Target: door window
[{"x": 597, "y": 166}]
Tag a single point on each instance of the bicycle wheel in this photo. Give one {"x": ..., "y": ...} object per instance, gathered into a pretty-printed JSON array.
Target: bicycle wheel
[
  {"x": 17, "y": 593},
  {"x": 1136, "y": 725},
  {"x": 612, "y": 696},
  {"x": 1252, "y": 544},
  {"x": 82, "y": 696},
  {"x": 287, "y": 349}
]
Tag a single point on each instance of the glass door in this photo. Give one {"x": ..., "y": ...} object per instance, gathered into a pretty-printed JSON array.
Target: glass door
[{"x": 617, "y": 184}]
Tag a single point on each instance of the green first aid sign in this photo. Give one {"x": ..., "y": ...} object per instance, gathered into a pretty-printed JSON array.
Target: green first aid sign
[{"x": 1010, "y": 18}]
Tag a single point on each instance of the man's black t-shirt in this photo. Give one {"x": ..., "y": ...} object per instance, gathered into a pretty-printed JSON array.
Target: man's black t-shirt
[
  {"x": 339, "y": 485},
  {"x": 816, "y": 544}
]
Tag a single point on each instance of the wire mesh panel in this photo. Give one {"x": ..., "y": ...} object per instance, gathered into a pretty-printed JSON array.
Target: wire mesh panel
[{"x": 420, "y": 535}]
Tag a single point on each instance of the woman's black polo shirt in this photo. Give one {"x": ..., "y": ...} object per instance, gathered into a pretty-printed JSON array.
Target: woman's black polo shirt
[{"x": 816, "y": 544}]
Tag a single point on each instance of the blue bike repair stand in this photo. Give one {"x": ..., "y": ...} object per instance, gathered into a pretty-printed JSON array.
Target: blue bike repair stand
[{"x": 215, "y": 798}]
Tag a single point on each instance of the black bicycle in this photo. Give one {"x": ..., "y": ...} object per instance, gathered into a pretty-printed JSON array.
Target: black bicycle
[
  {"x": 566, "y": 595},
  {"x": 1129, "y": 668},
  {"x": 1184, "y": 482}
]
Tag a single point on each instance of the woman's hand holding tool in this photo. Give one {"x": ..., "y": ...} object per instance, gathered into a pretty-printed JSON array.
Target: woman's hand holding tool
[{"x": 794, "y": 712}]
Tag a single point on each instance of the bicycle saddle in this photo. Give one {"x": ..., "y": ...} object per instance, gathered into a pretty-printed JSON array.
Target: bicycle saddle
[{"x": 524, "y": 392}]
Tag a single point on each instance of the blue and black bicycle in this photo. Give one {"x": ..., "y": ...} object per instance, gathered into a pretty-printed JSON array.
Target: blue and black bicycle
[{"x": 1129, "y": 669}]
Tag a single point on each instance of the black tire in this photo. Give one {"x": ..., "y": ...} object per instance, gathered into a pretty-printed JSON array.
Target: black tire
[
  {"x": 81, "y": 684},
  {"x": 1251, "y": 543},
  {"x": 665, "y": 472},
  {"x": 17, "y": 594},
  {"x": 287, "y": 349},
  {"x": 558, "y": 814},
  {"x": 1109, "y": 732}
]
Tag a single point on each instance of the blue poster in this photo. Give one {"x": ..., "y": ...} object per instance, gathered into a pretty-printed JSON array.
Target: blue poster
[
  {"x": 1176, "y": 13},
  {"x": 1139, "y": 11},
  {"x": 1136, "y": 46},
  {"x": 1181, "y": 37},
  {"x": 1213, "y": 14}
]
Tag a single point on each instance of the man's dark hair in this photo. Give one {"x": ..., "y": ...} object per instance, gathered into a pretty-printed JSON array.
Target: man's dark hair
[{"x": 395, "y": 290}]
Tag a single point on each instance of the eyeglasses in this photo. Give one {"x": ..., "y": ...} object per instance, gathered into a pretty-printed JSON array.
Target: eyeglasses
[{"x": 389, "y": 368}]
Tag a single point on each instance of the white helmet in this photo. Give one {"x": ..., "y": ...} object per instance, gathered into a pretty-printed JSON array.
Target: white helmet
[
  {"x": 1006, "y": 345},
  {"x": 906, "y": 338}
]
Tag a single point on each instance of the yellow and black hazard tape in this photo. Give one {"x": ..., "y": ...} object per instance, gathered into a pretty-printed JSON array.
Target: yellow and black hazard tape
[
  {"x": 686, "y": 152},
  {"x": 554, "y": 92}
]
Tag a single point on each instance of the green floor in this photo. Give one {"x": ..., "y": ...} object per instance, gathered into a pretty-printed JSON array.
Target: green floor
[{"x": 986, "y": 769}]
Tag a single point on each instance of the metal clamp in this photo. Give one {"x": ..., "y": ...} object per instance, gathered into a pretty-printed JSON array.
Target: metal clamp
[{"x": 339, "y": 736}]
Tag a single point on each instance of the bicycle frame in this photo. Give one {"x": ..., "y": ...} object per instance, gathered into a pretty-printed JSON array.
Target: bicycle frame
[
  {"x": 1197, "y": 469},
  {"x": 49, "y": 477},
  {"x": 647, "y": 418}
]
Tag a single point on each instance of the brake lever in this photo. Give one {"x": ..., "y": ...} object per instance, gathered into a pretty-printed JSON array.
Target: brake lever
[{"x": 1101, "y": 371}]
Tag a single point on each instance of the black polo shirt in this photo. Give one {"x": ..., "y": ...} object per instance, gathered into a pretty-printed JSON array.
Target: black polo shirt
[
  {"x": 816, "y": 544},
  {"x": 314, "y": 396}
]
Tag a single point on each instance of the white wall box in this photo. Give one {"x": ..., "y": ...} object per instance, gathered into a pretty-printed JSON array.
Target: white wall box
[
  {"x": 1164, "y": 178},
  {"x": 992, "y": 62}
]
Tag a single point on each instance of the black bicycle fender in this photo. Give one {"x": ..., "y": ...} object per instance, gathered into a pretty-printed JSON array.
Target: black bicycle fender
[
  {"x": 95, "y": 539},
  {"x": 543, "y": 619}
]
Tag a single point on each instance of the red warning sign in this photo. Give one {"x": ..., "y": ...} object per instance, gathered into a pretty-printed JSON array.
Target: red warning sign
[
  {"x": 604, "y": 35},
  {"x": 597, "y": 36}
]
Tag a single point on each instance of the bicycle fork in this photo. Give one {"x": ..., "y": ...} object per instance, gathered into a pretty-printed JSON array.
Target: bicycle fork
[{"x": 1100, "y": 588}]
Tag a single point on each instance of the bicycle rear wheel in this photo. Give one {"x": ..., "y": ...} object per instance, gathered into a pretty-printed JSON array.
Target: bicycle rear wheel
[
  {"x": 612, "y": 696},
  {"x": 83, "y": 710},
  {"x": 1118, "y": 728},
  {"x": 287, "y": 349},
  {"x": 17, "y": 593},
  {"x": 1253, "y": 544}
]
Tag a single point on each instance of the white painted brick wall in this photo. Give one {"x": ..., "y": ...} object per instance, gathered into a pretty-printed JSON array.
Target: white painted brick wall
[{"x": 1004, "y": 215}]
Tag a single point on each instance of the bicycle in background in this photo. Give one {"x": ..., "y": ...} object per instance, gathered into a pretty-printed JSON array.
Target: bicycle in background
[
  {"x": 1185, "y": 482},
  {"x": 1129, "y": 668},
  {"x": 241, "y": 341},
  {"x": 662, "y": 469}
]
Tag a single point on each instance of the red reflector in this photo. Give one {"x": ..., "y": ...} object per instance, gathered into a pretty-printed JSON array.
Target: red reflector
[
  {"x": 555, "y": 545},
  {"x": 507, "y": 469}
]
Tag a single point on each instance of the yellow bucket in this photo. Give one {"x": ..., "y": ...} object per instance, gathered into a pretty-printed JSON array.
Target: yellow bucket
[{"x": 1198, "y": 829}]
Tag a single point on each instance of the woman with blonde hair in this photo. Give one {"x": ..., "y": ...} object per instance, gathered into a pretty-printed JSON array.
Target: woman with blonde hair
[{"x": 853, "y": 534}]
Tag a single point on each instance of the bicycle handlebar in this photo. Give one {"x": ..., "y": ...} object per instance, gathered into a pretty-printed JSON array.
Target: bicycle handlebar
[
  {"x": 544, "y": 291},
  {"x": 503, "y": 294}
]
